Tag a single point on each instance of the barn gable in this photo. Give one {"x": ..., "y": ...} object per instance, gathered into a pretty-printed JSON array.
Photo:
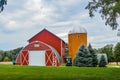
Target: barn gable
[
  {"x": 50, "y": 39},
  {"x": 44, "y": 49},
  {"x": 45, "y": 32}
]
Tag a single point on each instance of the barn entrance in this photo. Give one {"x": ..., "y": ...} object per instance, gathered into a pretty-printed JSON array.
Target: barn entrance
[{"x": 37, "y": 58}]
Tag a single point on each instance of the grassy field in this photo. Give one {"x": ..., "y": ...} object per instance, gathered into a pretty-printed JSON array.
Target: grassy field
[{"x": 11, "y": 72}]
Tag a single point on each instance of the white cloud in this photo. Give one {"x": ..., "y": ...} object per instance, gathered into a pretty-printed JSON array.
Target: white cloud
[
  {"x": 25, "y": 18},
  {"x": 11, "y": 25}
]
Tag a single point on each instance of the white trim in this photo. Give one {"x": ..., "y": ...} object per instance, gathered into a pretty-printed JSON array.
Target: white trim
[
  {"x": 37, "y": 58},
  {"x": 24, "y": 58},
  {"x": 54, "y": 60},
  {"x": 48, "y": 58},
  {"x": 55, "y": 51}
]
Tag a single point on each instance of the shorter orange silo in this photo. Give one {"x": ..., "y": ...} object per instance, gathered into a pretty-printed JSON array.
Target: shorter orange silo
[{"x": 76, "y": 37}]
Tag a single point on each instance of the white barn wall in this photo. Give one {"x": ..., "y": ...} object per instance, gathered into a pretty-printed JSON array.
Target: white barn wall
[{"x": 37, "y": 58}]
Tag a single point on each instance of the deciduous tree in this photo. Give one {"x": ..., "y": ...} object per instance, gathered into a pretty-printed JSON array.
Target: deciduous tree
[
  {"x": 108, "y": 49},
  {"x": 108, "y": 9},
  {"x": 117, "y": 52},
  {"x": 2, "y": 3}
]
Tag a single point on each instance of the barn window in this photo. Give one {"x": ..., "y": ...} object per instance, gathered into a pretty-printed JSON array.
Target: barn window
[
  {"x": 78, "y": 36},
  {"x": 36, "y": 45}
]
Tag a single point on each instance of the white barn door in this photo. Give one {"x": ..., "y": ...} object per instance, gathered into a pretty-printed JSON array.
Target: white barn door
[{"x": 37, "y": 58}]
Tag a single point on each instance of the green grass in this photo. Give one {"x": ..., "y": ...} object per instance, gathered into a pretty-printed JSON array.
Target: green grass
[{"x": 11, "y": 72}]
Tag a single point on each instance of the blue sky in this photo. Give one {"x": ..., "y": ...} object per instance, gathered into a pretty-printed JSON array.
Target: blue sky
[{"x": 22, "y": 19}]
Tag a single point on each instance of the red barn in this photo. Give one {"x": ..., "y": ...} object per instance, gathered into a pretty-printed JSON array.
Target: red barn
[{"x": 44, "y": 49}]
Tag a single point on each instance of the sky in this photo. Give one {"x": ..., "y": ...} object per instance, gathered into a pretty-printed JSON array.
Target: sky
[{"x": 22, "y": 19}]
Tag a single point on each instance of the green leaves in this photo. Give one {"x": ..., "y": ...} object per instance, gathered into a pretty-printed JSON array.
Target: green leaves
[
  {"x": 2, "y": 3},
  {"x": 83, "y": 57},
  {"x": 117, "y": 52},
  {"x": 108, "y": 49},
  {"x": 94, "y": 56},
  {"x": 102, "y": 62},
  {"x": 108, "y": 9}
]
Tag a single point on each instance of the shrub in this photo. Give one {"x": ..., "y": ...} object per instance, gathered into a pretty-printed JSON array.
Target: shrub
[
  {"x": 102, "y": 62},
  {"x": 6, "y": 59},
  {"x": 68, "y": 61}
]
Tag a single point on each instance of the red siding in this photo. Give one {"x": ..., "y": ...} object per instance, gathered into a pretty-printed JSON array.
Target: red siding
[
  {"x": 48, "y": 58},
  {"x": 23, "y": 57},
  {"x": 50, "y": 39},
  {"x": 32, "y": 47}
]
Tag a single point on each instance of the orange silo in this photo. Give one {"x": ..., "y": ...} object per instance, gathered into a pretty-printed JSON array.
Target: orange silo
[{"x": 76, "y": 37}]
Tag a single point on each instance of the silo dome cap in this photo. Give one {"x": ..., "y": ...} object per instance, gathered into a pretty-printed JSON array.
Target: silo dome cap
[{"x": 77, "y": 30}]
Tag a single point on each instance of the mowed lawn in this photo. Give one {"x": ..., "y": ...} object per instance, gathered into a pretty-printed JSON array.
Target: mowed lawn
[{"x": 11, "y": 72}]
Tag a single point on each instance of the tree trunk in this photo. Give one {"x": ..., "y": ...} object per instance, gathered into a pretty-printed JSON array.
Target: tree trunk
[{"x": 117, "y": 62}]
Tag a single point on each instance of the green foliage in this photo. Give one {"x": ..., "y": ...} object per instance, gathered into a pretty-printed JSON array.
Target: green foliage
[
  {"x": 2, "y": 3},
  {"x": 6, "y": 59},
  {"x": 1, "y": 57},
  {"x": 68, "y": 61},
  {"x": 108, "y": 49},
  {"x": 94, "y": 56},
  {"x": 117, "y": 52},
  {"x": 108, "y": 9},
  {"x": 102, "y": 62},
  {"x": 15, "y": 53},
  {"x": 11, "y": 54},
  {"x": 66, "y": 53},
  {"x": 83, "y": 57}
]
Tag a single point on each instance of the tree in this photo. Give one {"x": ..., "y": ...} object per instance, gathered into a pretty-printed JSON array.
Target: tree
[
  {"x": 83, "y": 57},
  {"x": 108, "y": 9},
  {"x": 102, "y": 62},
  {"x": 6, "y": 59},
  {"x": 11, "y": 54},
  {"x": 1, "y": 55},
  {"x": 108, "y": 49},
  {"x": 94, "y": 56},
  {"x": 2, "y": 3},
  {"x": 15, "y": 52},
  {"x": 68, "y": 61},
  {"x": 117, "y": 52}
]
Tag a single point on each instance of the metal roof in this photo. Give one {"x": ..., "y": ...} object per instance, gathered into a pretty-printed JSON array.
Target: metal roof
[{"x": 77, "y": 30}]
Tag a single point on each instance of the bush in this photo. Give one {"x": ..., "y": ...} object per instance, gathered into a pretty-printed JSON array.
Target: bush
[
  {"x": 102, "y": 62},
  {"x": 68, "y": 61},
  {"x": 6, "y": 59}
]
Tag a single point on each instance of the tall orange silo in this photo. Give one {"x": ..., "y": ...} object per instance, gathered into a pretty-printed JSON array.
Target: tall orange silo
[{"x": 76, "y": 37}]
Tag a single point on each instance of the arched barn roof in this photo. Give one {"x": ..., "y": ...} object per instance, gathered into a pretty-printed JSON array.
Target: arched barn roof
[
  {"x": 30, "y": 47},
  {"x": 78, "y": 30},
  {"x": 56, "y": 53}
]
